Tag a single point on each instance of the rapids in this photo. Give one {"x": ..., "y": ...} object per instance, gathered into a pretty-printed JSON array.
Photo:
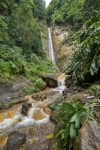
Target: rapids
[{"x": 13, "y": 119}]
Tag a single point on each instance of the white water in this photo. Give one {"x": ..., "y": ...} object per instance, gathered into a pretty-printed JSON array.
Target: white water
[
  {"x": 51, "y": 51},
  {"x": 61, "y": 86},
  {"x": 20, "y": 120}
]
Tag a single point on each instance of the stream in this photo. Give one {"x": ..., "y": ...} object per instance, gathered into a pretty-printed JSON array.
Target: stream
[{"x": 36, "y": 124}]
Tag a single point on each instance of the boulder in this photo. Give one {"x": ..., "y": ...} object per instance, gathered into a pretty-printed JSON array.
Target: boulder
[
  {"x": 88, "y": 137},
  {"x": 47, "y": 110},
  {"x": 15, "y": 140},
  {"x": 50, "y": 79},
  {"x": 25, "y": 107},
  {"x": 39, "y": 114}
]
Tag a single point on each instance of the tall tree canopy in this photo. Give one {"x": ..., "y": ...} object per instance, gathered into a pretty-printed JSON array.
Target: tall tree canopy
[
  {"x": 74, "y": 12},
  {"x": 21, "y": 48}
]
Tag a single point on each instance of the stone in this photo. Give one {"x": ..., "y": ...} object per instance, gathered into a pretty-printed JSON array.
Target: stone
[
  {"x": 25, "y": 107},
  {"x": 43, "y": 97},
  {"x": 47, "y": 110},
  {"x": 15, "y": 140},
  {"x": 50, "y": 79},
  {"x": 39, "y": 114},
  {"x": 88, "y": 137},
  {"x": 64, "y": 91},
  {"x": 11, "y": 113},
  {"x": 3, "y": 141},
  {"x": 2, "y": 115}
]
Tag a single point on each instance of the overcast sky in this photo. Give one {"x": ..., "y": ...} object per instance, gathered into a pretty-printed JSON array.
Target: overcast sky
[{"x": 47, "y": 2}]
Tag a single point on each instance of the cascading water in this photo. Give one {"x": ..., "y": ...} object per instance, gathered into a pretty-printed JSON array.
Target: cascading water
[
  {"x": 51, "y": 51},
  {"x": 61, "y": 84},
  {"x": 19, "y": 120}
]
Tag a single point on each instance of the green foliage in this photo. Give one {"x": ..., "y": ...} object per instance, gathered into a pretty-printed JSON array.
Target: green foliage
[
  {"x": 39, "y": 9},
  {"x": 95, "y": 89},
  {"x": 73, "y": 12},
  {"x": 21, "y": 50},
  {"x": 86, "y": 58},
  {"x": 39, "y": 84},
  {"x": 10, "y": 102},
  {"x": 29, "y": 90},
  {"x": 72, "y": 115}
]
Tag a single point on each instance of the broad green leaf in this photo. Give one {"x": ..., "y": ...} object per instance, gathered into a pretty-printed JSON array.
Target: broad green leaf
[
  {"x": 91, "y": 71},
  {"x": 79, "y": 119},
  {"x": 72, "y": 131},
  {"x": 62, "y": 136},
  {"x": 55, "y": 106},
  {"x": 67, "y": 106},
  {"x": 67, "y": 131},
  {"x": 81, "y": 107},
  {"x": 60, "y": 132},
  {"x": 73, "y": 118}
]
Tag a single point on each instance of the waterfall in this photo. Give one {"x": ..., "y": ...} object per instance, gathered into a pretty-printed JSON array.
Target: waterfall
[{"x": 51, "y": 51}]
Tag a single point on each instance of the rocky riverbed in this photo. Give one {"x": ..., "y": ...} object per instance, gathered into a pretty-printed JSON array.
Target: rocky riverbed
[{"x": 29, "y": 123}]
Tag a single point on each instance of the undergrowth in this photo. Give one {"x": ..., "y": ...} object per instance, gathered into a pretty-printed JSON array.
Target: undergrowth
[
  {"x": 13, "y": 64},
  {"x": 85, "y": 61},
  {"x": 72, "y": 114}
]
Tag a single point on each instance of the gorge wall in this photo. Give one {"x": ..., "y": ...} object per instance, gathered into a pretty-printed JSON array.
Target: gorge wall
[{"x": 62, "y": 51}]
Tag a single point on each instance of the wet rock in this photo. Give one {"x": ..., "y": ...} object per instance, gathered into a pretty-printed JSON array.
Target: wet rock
[
  {"x": 15, "y": 140},
  {"x": 65, "y": 91},
  {"x": 47, "y": 110},
  {"x": 3, "y": 141},
  {"x": 88, "y": 137},
  {"x": 50, "y": 79},
  {"x": 41, "y": 105},
  {"x": 39, "y": 114},
  {"x": 43, "y": 97},
  {"x": 36, "y": 96},
  {"x": 25, "y": 107}
]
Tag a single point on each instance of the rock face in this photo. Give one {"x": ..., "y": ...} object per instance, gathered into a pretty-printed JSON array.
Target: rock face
[
  {"x": 89, "y": 137},
  {"x": 50, "y": 79},
  {"x": 11, "y": 93},
  {"x": 62, "y": 51},
  {"x": 15, "y": 140}
]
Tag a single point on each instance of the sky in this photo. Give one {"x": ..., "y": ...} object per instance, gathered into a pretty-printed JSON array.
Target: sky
[{"x": 47, "y": 2}]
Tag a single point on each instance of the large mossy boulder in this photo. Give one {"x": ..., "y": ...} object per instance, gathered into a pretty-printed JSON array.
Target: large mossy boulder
[{"x": 50, "y": 79}]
